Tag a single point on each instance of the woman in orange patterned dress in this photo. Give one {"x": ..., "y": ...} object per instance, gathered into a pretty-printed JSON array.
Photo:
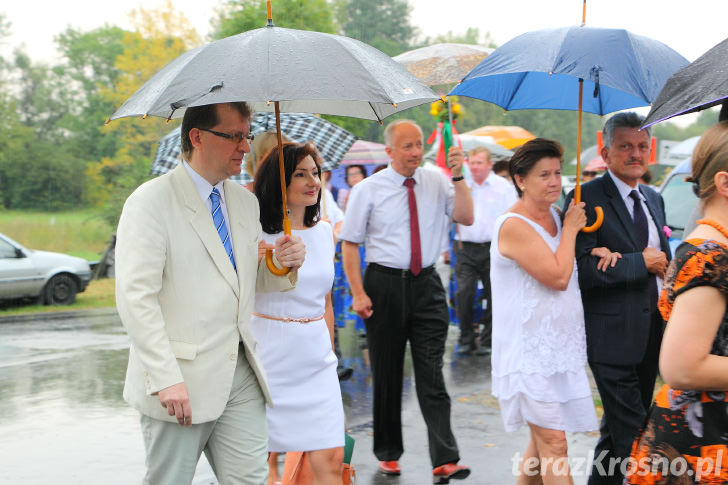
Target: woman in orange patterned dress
[{"x": 686, "y": 435}]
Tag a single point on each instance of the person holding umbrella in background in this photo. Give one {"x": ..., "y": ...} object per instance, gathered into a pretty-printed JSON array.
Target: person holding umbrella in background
[{"x": 401, "y": 214}]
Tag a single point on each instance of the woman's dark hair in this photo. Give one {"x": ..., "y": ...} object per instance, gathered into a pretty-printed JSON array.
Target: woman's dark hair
[
  {"x": 268, "y": 185},
  {"x": 361, "y": 169},
  {"x": 529, "y": 155}
]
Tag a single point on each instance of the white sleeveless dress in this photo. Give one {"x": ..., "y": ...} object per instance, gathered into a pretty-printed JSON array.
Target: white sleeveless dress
[
  {"x": 307, "y": 412},
  {"x": 539, "y": 345}
]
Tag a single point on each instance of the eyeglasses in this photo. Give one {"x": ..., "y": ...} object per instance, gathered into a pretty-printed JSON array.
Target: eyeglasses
[{"x": 235, "y": 137}]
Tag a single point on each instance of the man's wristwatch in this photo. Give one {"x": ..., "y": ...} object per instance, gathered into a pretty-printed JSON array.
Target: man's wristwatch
[{"x": 457, "y": 179}]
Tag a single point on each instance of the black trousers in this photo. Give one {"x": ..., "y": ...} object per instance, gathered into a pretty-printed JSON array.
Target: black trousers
[
  {"x": 473, "y": 264},
  {"x": 626, "y": 392},
  {"x": 408, "y": 308}
]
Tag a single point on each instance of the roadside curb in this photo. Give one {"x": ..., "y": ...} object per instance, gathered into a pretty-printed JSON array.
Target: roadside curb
[{"x": 58, "y": 315}]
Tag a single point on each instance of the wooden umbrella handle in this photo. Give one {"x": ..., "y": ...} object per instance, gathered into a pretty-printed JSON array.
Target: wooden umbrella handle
[
  {"x": 598, "y": 223},
  {"x": 284, "y": 200},
  {"x": 269, "y": 253}
]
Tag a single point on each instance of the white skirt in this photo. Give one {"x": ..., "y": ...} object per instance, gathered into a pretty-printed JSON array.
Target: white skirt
[
  {"x": 572, "y": 416},
  {"x": 300, "y": 365}
]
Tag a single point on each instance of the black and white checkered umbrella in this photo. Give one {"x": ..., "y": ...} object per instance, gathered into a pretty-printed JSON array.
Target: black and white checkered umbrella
[{"x": 331, "y": 140}]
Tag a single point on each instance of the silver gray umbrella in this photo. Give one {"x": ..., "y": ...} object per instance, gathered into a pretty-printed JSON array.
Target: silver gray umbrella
[
  {"x": 276, "y": 69},
  {"x": 306, "y": 72}
]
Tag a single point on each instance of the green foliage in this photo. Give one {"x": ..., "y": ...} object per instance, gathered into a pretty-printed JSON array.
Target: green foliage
[
  {"x": 471, "y": 36},
  {"x": 77, "y": 232},
  {"x": 89, "y": 65},
  {"x": 384, "y": 24},
  {"x": 671, "y": 131},
  {"x": 236, "y": 16}
]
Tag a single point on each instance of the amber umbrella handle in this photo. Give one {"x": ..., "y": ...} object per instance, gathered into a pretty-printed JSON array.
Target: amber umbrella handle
[
  {"x": 269, "y": 253},
  {"x": 598, "y": 223},
  {"x": 272, "y": 266},
  {"x": 598, "y": 210},
  {"x": 284, "y": 199}
]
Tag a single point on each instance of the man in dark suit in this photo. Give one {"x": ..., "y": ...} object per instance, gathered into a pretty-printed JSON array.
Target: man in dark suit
[{"x": 623, "y": 325}]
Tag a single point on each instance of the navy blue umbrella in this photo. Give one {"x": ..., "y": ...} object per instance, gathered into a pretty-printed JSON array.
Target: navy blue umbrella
[{"x": 596, "y": 70}]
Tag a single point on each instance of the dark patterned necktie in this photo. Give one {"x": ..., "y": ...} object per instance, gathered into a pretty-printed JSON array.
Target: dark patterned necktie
[
  {"x": 643, "y": 235},
  {"x": 416, "y": 256}
]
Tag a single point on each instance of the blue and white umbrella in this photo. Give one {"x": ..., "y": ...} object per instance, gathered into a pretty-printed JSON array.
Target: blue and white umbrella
[{"x": 331, "y": 140}]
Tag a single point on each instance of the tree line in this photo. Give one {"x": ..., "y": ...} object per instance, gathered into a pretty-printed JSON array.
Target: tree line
[{"x": 57, "y": 153}]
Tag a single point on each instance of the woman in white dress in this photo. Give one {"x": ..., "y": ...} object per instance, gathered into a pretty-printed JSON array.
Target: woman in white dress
[
  {"x": 539, "y": 344},
  {"x": 294, "y": 330}
]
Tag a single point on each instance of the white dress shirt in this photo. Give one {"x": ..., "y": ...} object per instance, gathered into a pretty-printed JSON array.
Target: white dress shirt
[
  {"x": 204, "y": 188},
  {"x": 653, "y": 238},
  {"x": 490, "y": 199},
  {"x": 377, "y": 214},
  {"x": 329, "y": 208}
]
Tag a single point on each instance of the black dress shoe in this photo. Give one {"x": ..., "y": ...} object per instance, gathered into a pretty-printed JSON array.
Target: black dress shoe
[{"x": 344, "y": 373}]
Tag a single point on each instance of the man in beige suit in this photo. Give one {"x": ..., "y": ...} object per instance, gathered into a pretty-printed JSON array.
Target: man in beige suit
[{"x": 187, "y": 269}]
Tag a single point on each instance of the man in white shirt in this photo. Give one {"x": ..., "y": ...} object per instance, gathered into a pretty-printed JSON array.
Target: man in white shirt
[
  {"x": 399, "y": 214},
  {"x": 492, "y": 196}
]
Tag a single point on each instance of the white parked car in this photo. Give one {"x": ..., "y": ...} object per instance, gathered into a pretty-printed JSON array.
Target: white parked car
[{"x": 50, "y": 278}]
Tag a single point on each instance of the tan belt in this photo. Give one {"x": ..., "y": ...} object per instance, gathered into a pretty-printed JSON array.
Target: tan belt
[{"x": 290, "y": 320}]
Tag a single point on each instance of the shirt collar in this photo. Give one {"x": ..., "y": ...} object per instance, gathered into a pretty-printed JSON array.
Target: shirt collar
[
  {"x": 204, "y": 188},
  {"x": 398, "y": 178},
  {"x": 623, "y": 188},
  {"x": 487, "y": 181}
]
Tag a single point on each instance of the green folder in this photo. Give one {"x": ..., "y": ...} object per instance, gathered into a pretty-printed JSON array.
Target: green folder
[{"x": 348, "y": 448}]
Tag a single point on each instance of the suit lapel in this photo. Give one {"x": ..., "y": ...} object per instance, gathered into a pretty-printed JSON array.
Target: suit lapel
[
  {"x": 617, "y": 203},
  {"x": 201, "y": 221}
]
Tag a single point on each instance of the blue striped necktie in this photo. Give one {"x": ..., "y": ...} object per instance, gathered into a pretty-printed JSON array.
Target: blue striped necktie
[{"x": 220, "y": 226}]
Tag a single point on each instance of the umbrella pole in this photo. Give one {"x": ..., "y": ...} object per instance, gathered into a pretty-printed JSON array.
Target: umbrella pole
[
  {"x": 286, "y": 220},
  {"x": 577, "y": 189}
]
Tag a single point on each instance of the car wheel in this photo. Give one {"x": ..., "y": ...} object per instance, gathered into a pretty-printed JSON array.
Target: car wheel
[{"x": 60, "y": 290}]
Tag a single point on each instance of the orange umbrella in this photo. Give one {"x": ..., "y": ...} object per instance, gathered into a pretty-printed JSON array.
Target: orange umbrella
[{"x": 508, "y": 137}]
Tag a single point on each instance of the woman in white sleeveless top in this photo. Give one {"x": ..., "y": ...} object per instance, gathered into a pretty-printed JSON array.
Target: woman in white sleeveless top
[
  {"x": 539, "y": 344},
  {"x": 294, "y": 330}
]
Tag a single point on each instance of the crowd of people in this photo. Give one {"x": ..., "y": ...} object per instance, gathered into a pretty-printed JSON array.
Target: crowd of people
[{"x": 230, "y": 359}]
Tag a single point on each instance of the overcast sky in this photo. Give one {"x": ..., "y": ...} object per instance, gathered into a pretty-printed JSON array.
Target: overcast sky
[{"x": 690, "y": 27}]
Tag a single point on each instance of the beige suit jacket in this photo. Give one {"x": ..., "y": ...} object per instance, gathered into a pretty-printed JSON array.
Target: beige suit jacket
[{"x": 179, "y": 298}]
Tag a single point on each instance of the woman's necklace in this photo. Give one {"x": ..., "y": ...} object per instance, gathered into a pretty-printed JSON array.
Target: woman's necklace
[{"x": 716, "y": 225}]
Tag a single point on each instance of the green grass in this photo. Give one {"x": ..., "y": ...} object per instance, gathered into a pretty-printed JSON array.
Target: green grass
[
  {"x": 98, "y": 294},
  {"x": 80, "y": 233}
]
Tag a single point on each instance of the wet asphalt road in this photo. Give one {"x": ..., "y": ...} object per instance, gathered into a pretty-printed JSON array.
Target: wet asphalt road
[{"x": 64, "y": 420}]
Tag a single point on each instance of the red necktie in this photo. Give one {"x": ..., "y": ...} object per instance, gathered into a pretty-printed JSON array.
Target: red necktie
[{"x": 416, "y": 258}]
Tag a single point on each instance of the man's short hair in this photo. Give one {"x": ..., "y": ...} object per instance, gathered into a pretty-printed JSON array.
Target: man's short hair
[
  {"x": 205, "y": 116},
  {"x": 479, "y": 149},
  {"x": 629, "y": 119},
  {"x": 501, "y": 166},
  {"x": 389, "y": 130}
]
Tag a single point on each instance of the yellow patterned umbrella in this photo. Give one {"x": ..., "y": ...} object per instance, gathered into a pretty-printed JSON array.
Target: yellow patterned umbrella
[{"x": 443, "y": 63}]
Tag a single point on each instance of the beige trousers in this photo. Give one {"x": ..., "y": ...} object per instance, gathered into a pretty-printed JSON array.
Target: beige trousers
[{"x": 236, "y": 444}]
